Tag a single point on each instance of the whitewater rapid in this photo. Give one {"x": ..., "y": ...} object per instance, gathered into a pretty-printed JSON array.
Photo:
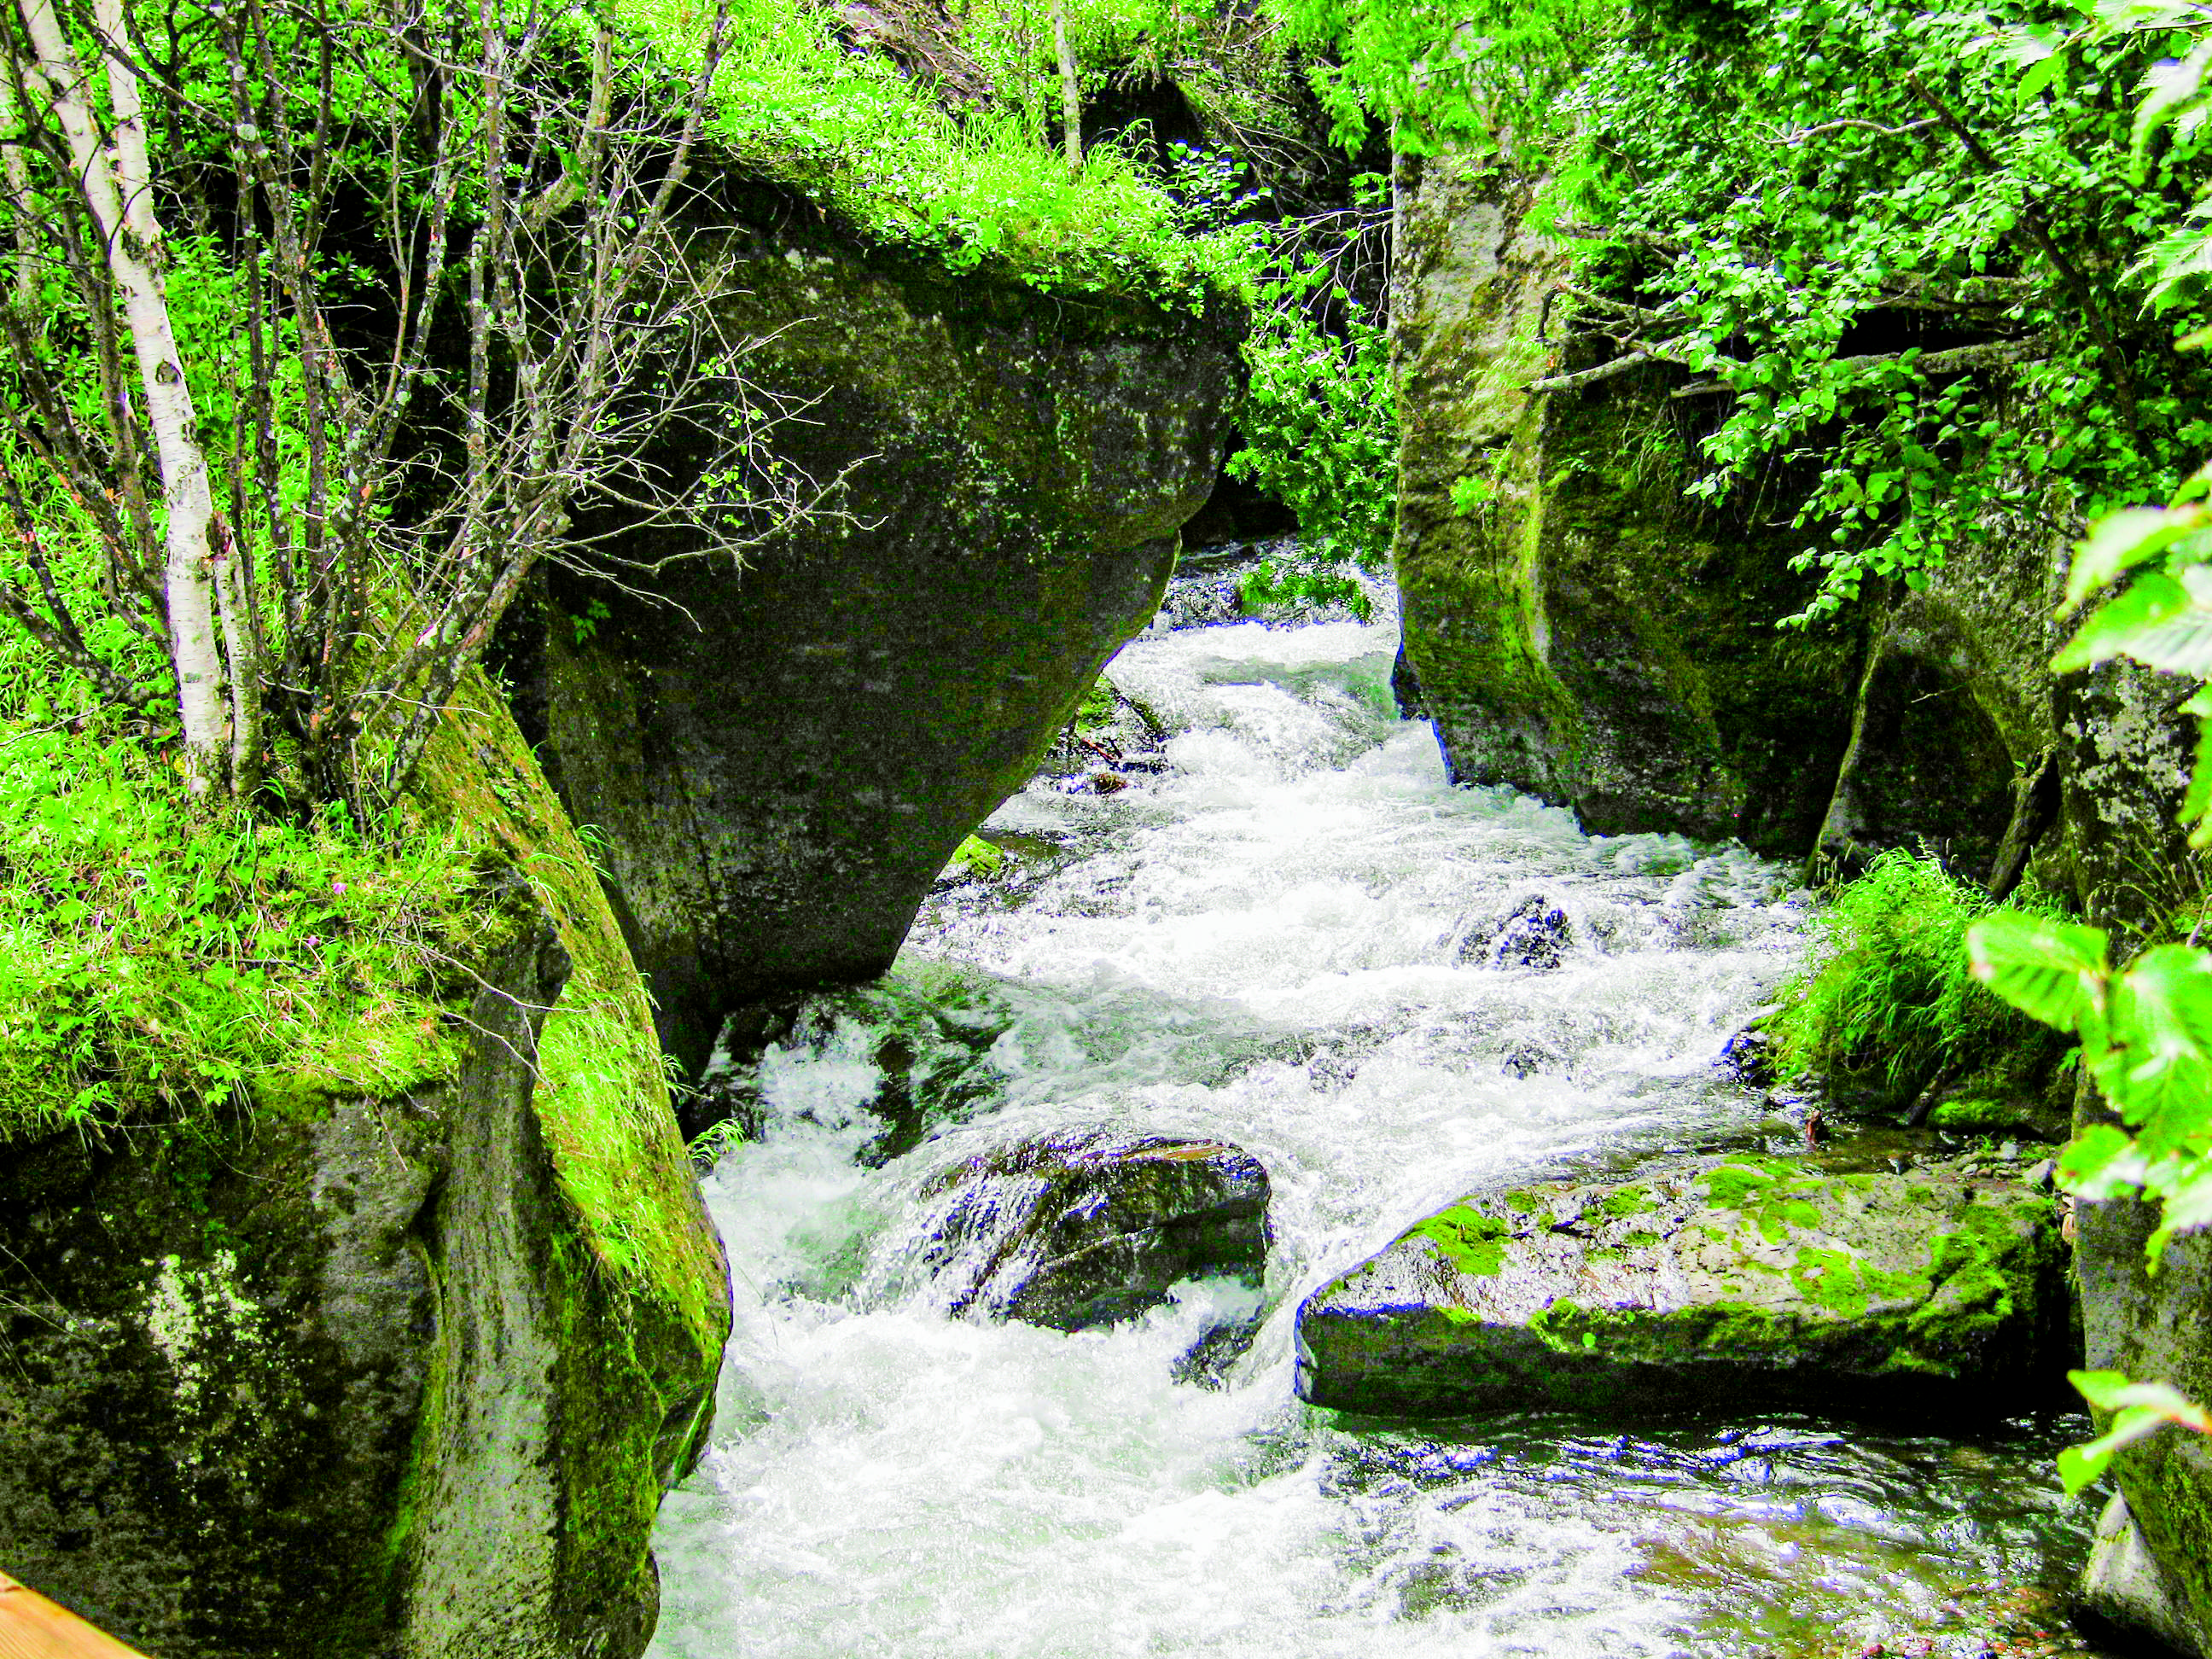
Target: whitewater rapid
[{"x": 1295, "y": 937}]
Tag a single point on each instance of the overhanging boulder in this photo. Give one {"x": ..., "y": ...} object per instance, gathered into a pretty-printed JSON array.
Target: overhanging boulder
[{"x": 782, "y": 758}]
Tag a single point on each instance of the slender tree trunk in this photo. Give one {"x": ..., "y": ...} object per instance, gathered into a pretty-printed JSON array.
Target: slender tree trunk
[
  {"x": 15, "y": 180},
  {"x": 118, "y": 188},
  {"x": 1071, "y": 89}
]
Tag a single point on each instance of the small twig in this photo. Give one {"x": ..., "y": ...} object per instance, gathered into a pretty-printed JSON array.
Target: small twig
[{"x": 1849, "y": 125}]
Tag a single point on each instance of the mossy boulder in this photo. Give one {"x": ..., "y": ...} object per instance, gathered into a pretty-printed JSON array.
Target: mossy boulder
[
  {"x": 1577, "y": 629},
  {"x": 2152, "y": 1568},
  {"x": 782, "y": 755},
  {"x": 1082, "y": 1229},
  {"x": 335, "y": 1377},
  {"x": 1755, "y": 1283}
]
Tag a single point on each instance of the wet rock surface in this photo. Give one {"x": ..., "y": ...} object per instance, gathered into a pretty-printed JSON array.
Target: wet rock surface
[
  {"x": 1073, "y": 1232},
  {"x": 1750, "y": 1282}
]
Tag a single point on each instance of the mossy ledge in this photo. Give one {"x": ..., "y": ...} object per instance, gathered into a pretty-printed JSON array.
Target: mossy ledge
[
  {"x": 1747, "y": 1283},
  {"x": 407, "y": 1375}
]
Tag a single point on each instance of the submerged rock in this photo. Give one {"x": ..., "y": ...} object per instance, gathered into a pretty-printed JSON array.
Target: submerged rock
[
  {"x": 1076, "y": 1230},
  {"x": 1758, "y": 1282}
]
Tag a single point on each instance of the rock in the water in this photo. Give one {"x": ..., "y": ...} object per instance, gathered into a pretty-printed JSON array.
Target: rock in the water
[
  {"x": 2124, "y": 1584},
  {"x": 1757, "y": 1282},
  {"x": 1535, "y": 932},
  {"x": 1075, "y": 1230},
  {"x": 2154, "y": 1574}
]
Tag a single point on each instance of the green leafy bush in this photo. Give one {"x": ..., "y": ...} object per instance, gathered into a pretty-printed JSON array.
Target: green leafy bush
[
  {"x": 857, "y": 134},
  {"x": 1891, "y": 999},
  {"x": 1320, "y": 416}
]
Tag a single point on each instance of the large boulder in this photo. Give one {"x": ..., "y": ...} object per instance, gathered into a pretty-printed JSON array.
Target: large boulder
[
  {"x": 781, "y": 756},
  {"x": 2152, "y": 1568},
  {"x": 1577, "y": 629},
  {"x": 1081, "y": 1229},
  {"x": 402, "y": 1376},
  {"x": 1755, "y": 1283}
]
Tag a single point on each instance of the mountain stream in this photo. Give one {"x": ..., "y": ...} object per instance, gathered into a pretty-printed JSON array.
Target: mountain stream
[{"x": 1281, "y": 936}]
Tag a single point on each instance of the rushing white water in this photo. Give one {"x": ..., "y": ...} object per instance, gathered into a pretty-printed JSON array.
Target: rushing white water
[{"x": 1295, "y": 937}]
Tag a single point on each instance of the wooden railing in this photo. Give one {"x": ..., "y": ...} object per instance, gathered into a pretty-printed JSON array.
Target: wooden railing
[{"x": 32, "y": 1627}]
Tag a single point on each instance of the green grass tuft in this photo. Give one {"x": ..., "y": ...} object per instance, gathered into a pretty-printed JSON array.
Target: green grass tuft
[
  {"x": 1889, "y": 1001},
  {"x": 160, "y": 957}
]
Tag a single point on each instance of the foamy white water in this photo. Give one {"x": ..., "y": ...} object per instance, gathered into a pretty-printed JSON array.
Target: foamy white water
[{"x": 1297, "y": 938}]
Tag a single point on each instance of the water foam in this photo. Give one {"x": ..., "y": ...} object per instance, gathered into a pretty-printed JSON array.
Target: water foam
[{"x": 1295, "y": 937}]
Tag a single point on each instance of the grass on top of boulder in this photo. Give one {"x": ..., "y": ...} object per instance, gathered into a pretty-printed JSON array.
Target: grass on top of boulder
[
  {"x": 161, "y": 957},
  {"x": 851, "y": 129}
]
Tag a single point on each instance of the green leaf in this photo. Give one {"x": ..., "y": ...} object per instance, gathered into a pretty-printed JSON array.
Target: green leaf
[
  {"x": 2162, "y": 1015},
  {"x": 2099, "y": 1162},
  {"x": 2137, "y": 1409},
  {"x": 2158, "y": 621},
  {"x": 2121, "y": 541},
  {"x": 2051, "y": 971}
]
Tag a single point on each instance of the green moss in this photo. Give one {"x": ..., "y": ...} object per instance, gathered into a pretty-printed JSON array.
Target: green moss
[
  {"x": 1472, "y": 1242},
  {"x": 604, "y": 1103},
  {"x": 1626, "y": 1201}
]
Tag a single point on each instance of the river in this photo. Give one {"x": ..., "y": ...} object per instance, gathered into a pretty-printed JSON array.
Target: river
[{"x": 1285, "y": 938}]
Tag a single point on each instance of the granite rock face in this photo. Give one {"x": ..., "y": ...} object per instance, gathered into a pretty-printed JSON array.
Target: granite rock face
[
  {"x": 344, "y": 1378},
  {"x": 1073, "y": 1232},
  {"x": 783, "y": 756},
  {"x": 1755, "y": 1283}
]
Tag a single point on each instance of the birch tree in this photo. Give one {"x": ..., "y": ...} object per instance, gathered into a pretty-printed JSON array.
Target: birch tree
[
  {"x": 111, "y": 168},
  {"x": 391, "y": 438}
]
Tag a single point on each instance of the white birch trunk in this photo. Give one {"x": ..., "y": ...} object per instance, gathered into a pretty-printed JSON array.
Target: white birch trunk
[
  {"x": 15, "y": 180},
  {"x": 1071, "y": 89},
  {"x": 118, "y": 187}
]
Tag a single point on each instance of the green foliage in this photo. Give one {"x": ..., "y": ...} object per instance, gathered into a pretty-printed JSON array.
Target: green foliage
[
  {"x": 1320, "y": 417},
  {"x": 1448, "y": 71},
  {"x": 1810, "y": 203},
  {"x": 1891, "y": 989},
  {"x": 976, "y": 858},
  {"x": 160, "y": 957},
  {"x": 2135, "y": 1409},
  {"x": 864, "y": 139}
]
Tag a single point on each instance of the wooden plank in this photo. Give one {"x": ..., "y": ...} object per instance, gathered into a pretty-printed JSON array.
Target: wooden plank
[{"x": 32, "y": 1627}]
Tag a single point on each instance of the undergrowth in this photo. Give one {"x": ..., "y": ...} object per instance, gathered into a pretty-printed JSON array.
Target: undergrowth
[
  {"x": 857, "y": 134},
  {"x": 1889, "y": 995},
  {"x": 161, "y": 958}
]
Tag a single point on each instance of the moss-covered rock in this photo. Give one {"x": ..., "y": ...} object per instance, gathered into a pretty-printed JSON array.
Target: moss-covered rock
[
  {"x": 2153, "y": 1568},
  {"x": 782, "y": 758},
  {"x": 1577, "y": 629},
  {"x": 1752, "y": 1283},
  {"x": 405, "y": 1377}
]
